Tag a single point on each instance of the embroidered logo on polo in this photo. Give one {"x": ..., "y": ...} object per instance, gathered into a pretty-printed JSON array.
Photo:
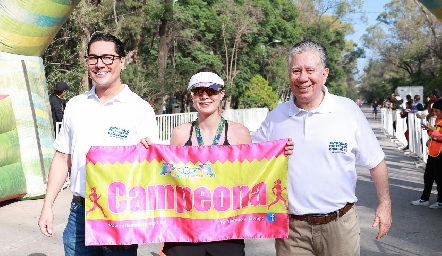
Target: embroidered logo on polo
[
  {"x": 337, "y": 147},
  {"x": 117, "y": 132}
]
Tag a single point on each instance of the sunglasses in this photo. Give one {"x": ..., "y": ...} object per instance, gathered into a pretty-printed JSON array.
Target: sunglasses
[{"x": 212, "y": 90}]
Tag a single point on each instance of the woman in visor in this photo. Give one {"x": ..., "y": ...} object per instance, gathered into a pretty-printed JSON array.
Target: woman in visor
[{"x": 210, "y": 128}]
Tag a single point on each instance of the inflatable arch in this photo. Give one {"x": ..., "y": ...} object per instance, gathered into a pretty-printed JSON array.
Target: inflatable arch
[
  {"x": 435, "y": 7},
  {"x": 26, "y": 132}
]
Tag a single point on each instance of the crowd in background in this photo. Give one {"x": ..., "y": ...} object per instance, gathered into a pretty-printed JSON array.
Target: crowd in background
[
  {"x": 429, "y": 115},
  {"x": 412, "y": 105}
]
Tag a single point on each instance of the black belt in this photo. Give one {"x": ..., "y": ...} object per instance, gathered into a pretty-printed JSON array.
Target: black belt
[
  {"x": 318, "y": 219},
  {"x": 80, "y": 200}
]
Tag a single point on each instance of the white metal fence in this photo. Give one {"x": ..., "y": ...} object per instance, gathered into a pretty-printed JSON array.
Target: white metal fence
[
  {"x": 418, "y": 137},
  {"x": 167, "y": 122},
  {"x": 251, "y": 118}
]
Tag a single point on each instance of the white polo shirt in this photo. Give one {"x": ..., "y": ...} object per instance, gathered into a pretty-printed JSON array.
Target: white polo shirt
[
  {"x": 122, "y": 121},
  {"x": 328, "y": 143}
]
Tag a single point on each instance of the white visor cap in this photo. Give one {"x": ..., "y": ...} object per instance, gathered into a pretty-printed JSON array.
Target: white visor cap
[{"x": 205, "y": 79}]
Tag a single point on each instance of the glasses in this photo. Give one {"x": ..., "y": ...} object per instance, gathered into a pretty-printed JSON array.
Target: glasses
[
  {"x": 107, "y": 59},
  {"x": 199, "y": 91}
]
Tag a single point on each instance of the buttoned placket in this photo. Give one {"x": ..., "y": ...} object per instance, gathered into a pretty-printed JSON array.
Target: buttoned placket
[{"x": 308, "y": 131}]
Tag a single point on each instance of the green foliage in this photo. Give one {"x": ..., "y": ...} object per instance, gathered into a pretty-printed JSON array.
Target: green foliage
[
  {"x": 259, "y": 95},
  {"x": 379, "y": 85},
  {"x": 410, "y": 53},
  {"x": 236, "y": 37}
]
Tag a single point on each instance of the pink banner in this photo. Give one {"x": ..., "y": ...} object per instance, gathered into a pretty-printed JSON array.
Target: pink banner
[{"x": 186, "y": 194}]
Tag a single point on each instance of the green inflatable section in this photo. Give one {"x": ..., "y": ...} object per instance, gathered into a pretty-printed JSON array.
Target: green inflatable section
[
  {"x": 13, "y": 182},
  {"x": 24, "y": 81},
  {"x": 12, "y": 178},
  {"x": 10, "y": 153},
  {"x": 26, "y": 29}
]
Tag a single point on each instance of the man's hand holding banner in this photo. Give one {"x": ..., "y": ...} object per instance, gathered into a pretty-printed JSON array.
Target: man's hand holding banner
[{"x": 136, "y": 195}]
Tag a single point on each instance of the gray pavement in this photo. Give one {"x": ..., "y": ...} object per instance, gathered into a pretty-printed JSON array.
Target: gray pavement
[{"x": 416, "y": 230}]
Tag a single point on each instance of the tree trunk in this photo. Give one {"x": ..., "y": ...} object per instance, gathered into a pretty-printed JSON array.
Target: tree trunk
[
  {"x": 162, "y": 60},
  {"x": 85, "y": 81}
]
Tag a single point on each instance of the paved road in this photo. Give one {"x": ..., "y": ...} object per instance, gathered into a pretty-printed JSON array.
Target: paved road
[{"x": 416, "y": 230}]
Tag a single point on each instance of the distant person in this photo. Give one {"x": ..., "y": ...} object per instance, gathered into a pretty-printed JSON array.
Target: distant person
[
  {"x": 418, "y": 105},
  {"x": 435, "y": 95},
  {"x": 331, "y": 135},
  {"x": 56, "y": 101},
  {"x": 375, "y": 107},
  {"x": 429, "y": 103},
  {"x": 110, "y": 114},
  {"x": 396, "y": 104},
  {"x": 386, "y": 104},
  {"x": 409, "y": 100},
  {"x": 433, "y": 169},
  {"x": 409, "y": 107}
]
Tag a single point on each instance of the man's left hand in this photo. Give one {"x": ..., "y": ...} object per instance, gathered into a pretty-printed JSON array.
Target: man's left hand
[{"x": 382, "y": 219}]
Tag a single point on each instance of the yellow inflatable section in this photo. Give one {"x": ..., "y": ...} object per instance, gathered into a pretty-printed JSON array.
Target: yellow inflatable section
[
  {"x": 26, "y": 134},
  {"x": 434, "y": 6}
]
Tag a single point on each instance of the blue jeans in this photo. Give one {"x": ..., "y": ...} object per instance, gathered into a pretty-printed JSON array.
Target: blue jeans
[{"x": 74, "y": 238}]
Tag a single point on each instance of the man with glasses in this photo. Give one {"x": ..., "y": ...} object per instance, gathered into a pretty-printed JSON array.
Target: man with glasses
[
  {"x": 331, "y": 135},
  {"x": 110, "y": 114}
]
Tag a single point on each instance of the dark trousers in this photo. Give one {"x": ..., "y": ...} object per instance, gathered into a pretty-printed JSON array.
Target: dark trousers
[
  {"x": 433, "y": 172},
  {"x": 234, "y": 247}
]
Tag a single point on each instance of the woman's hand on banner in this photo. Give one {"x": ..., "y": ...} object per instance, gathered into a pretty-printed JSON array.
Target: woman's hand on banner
[{"x": 146, "y": 142}]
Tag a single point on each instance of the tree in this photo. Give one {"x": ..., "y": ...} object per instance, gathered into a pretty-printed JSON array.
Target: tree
[
  {"x": 379, "y": 84},
  {"x": 64, "y": 57},
  {"x": 167, "y": 41},
  {"x": 336, "y": 13},
  {"x": 238, "y": 20},
  {"x": 280, "y": 23},
  {"x": 259, "y": 95},
  {"x": 408, "y": 50}
]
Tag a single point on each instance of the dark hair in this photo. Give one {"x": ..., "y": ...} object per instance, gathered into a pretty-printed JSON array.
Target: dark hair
[
  {"x": 408, "y": 97},
  {"x": 438, "y": 104},
  {"x": 417, "y": 97},
  {"x": 119, "y": 46},
  {"x": 57, "y": 91},
  {"x": 437, "y": 92},
  {"x": 309, "y": 46},
  {"x": 207, "y": 69}
]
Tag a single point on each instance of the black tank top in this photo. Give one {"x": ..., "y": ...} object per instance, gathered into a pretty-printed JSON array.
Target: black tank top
[{"x": 226, "y": 141}]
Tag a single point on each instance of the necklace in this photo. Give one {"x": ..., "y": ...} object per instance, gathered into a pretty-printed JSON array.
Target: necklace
[{"x": 219, "y": 131}]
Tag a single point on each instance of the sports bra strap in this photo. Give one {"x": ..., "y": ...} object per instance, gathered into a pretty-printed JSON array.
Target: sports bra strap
[{"x": 226, "y": 141}]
